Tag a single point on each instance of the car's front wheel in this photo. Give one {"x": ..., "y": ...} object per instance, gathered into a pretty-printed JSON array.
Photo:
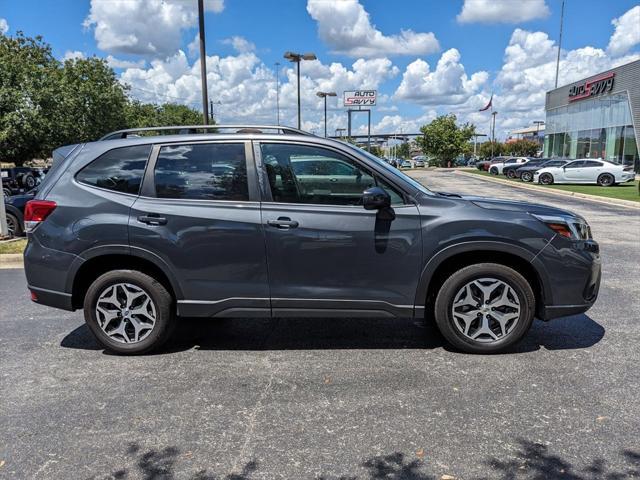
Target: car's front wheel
[
  {"x": 511, "y": 173},
  {"x": 484, "y": 308},
  {"x": 129, "y": 312},
  {"x": 546, "y": 179},
  {"x": 493, "y": 171},
  {"x": 526, "y": 177}
]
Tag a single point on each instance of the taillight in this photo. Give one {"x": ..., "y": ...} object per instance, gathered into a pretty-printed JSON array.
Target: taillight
[{"x": 36, "y": 211}]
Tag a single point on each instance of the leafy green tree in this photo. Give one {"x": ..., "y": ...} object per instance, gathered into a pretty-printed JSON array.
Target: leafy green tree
[
  {"x": 485, "y": 151},
  {"x": 376, "y": 150},
  {"x": 522, "y": 148},
  {"x": 150, "y": 115},
  {"x": 29, "y": 95},
  {"x": 444, "y": 140},
  {"x": 404, "y": 150}
]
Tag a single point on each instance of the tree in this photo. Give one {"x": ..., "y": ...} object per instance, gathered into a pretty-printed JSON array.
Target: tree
[
  {"x": 443, "y": 139},
  {"x": 522, "y": 148},
  {"x": 485, "y": 150},
  {"x": 149, "y": 115},
  {"x": 404, "y": 151}
]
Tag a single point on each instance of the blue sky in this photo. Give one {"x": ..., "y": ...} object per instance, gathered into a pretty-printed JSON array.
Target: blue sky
[{"x": 502, "y": 47}]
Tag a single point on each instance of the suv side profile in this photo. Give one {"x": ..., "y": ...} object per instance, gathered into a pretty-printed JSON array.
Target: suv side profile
[{"x": 141, "y": 231}]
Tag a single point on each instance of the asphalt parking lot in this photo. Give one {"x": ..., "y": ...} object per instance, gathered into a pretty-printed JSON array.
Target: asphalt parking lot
[{"x": 333, "y": 399}]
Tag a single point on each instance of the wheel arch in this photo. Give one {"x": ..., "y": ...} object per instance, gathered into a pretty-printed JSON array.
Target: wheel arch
[
  {"x": 95, "y": 262},
  {"x": 452, "y": 258}
]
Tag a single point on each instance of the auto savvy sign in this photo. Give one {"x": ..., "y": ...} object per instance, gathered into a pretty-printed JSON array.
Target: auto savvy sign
[
  {"x": 360, "y": 98},
  {"x": 595, "y": 86}
]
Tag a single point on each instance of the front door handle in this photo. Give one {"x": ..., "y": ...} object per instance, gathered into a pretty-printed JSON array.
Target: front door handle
[
  {"x": 152, "y": 219},
  {"x": 283, "y": 223}
]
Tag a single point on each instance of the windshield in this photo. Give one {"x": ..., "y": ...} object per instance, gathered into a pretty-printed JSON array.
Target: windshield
[{"x": 392, "y": 170}]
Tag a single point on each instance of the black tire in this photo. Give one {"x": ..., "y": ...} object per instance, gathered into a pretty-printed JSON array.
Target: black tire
[
  {"x": 526, "y": 177},
  {"x": 493, "y": 171},
  {"x": 546, "y": 179},
  {"x": 27, "y": 181},
  {"x": 7, "y": 192},
  {"x": 449, "y": 289},
  {"x": 606, "y": 180},
  {"x": 511, "y": 173},
  {"x": 14, "y": 226},
  {"x": 161, "y": 298}
]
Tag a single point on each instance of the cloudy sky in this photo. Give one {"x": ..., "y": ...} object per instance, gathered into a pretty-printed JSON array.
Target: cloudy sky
[{"x": 425, "y": 57}]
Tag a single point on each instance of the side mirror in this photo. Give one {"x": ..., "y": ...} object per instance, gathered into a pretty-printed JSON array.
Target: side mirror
[{"x": 375, "y": 198}]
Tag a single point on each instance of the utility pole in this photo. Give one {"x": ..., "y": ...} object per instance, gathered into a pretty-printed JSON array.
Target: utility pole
[
  {"x": 559, "y": 43},
  {"x": 277, "y": 93},
  {"x": 203, "y": 63}
]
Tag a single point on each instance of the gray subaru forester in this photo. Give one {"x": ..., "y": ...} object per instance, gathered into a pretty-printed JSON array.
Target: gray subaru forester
[{"x": 149, "y": 225}]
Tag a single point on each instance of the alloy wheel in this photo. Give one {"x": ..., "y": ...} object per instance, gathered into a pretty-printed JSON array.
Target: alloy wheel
[
  {"x": 605, "y": 180},
  {"x": 526, "y": 176},
  {"x": 11, "y": 225},
  {"x": 125, "y": 313},
  {"x": 486, "y": 310},
  {"x": 546, "y": 179}
]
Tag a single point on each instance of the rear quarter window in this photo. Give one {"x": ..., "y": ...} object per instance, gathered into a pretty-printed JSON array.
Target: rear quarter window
[{"x": 120, "y": 169}]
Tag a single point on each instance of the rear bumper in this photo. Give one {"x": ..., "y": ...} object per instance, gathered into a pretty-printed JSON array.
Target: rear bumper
[{"x": 51, "y": 298}]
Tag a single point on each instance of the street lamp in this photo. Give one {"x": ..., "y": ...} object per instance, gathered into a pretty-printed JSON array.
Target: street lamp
[
  {"x": 297, "y": 58},
  {"x": 325, "y": 95}
]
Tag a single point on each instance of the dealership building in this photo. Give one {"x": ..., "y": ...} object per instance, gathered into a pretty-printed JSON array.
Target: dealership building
[{"x": 598, "y": 117}]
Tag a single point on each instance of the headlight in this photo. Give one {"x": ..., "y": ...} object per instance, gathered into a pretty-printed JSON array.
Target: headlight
[{"x": 573, "y": 228}]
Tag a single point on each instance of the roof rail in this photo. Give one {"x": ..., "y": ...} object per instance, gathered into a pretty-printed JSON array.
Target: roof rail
[{"x": 194, "y": 129}]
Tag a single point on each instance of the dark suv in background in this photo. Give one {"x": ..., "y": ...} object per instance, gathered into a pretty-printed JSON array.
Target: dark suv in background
[{"x": 270, "y": 221}]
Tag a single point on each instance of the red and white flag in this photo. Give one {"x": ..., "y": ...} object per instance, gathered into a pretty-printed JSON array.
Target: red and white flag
[{"x": 488, "y": 105}]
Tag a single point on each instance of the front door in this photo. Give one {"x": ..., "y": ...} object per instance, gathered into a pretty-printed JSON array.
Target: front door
[
  {"x": 199, "y": 213},
  {"x": 326, "y": 255},
  {"x": 574, "y": 171}
]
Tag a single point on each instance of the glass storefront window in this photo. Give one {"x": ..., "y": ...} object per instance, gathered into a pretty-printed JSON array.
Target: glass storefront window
[{"x": 630, "y": 152}]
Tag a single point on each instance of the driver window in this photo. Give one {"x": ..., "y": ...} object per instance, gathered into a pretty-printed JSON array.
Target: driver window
[
  {"x": 312, "y": 175},
  {"x": 575, "y": 164}
]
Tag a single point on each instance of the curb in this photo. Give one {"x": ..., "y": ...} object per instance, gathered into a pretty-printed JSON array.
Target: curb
[
  {"x": 11, "y": 260},
  {"x": 562, "y": 193}
]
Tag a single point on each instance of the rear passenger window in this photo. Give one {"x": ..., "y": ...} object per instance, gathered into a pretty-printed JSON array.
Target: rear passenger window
[
  {"x": 202, "y": 171},
  {"x": 120, "y": 169},
  {"x": 591, "y": 163}
]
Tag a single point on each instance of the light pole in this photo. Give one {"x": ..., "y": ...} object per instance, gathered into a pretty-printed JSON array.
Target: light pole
[
  {"x": 278, "y": 92},
  {"x": 297, "y": 58},
  {"x": 203, "y": 64},
  {"x": 325, "y": 95},
  {"x": 559, "y": 43}
]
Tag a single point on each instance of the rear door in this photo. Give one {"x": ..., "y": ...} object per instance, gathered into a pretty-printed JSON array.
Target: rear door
[
  {"x": 199, "y": 214},
  {"x": 592, "y": 170},
  {"x": 327, "y": 256}
]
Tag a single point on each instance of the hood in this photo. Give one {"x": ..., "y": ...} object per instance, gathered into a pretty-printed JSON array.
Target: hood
[{"x": 514, "y": 206}]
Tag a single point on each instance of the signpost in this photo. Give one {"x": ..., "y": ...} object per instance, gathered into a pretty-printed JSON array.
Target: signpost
[{"x": 359, "y": 99}]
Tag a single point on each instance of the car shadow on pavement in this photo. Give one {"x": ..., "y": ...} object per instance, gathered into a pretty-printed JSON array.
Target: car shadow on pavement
[
  {"x": 578, "y": 331},
  {"x": 529, "y": 460}
]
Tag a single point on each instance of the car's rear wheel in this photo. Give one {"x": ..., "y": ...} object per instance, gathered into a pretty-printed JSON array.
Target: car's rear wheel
[
  {"x": 526, "y": 177},
  {"x": 606, "y": 180},
  {"x": 27, "y": 181},
  {"x": 511, "y": 173},
  {"x": 493, "y": 171},
  {"x": 546, "y": 179},
  {"x": 14, "y": 226},
  {"x": 484, "y": 308},
  {"x": 129, "y": 312},
  {"x": 7, "y": 192}
]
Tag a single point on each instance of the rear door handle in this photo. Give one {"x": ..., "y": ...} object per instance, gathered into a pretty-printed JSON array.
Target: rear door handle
[
  {"x": 283, "y": 223},
  {"x": 152, "y": 219}
]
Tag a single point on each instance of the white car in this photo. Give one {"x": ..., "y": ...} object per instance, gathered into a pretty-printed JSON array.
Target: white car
[
  {"x": 496, "y": 168},
  {"x": 585, "y": 170}
]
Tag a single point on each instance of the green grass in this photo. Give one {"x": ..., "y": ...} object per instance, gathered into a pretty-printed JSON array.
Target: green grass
[
  {"x": 16, "y": 246},
  {"x": 625, "y": 191}
]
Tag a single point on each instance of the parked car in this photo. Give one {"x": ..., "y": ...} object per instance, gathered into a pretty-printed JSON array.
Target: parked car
[
  {"x": 472, "y": 162},
  {"x": 138, "y": 232},
  {"x": 19, "y": 179},
  {"x": 526, "y": 171},
  {"x": 419, "y": 163},
  {"x": 586, "y": 170},
  {"x": 406, "y": 164},
  {"x": 497, "y": 167},
  {"x": 485, "y": 164},
  {"x": 14, "y": 209}
]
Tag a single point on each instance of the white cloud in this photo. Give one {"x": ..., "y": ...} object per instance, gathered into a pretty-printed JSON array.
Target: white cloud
[
  {"x": 502, "y": 11},
  {"x": 73, "y": 55},
  {"x": 345, "y": 26},
  {"x": 243, "y": 88},
  {"x": 627, "y": 32},
  {"x": 448, "y": 84},
  {"x": 240, "y": 44},
  {"x": 118, "y": 63},
  {"x": 4, "y": 26},
  {"x": 149, "y": 27}
]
